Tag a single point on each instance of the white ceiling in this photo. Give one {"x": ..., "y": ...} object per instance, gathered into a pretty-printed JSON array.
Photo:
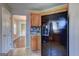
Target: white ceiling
[{"x": 22, "y": 7}]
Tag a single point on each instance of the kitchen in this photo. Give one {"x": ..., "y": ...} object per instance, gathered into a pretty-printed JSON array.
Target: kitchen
[
  {"x": 41, "y": 21},
  {"x": 39, "y": 29}
]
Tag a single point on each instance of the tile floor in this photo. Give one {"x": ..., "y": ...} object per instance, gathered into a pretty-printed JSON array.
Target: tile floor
[{"x": 23, "y": 52}]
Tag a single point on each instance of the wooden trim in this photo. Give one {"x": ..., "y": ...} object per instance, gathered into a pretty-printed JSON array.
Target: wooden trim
[{"x": 57, "y": 9}]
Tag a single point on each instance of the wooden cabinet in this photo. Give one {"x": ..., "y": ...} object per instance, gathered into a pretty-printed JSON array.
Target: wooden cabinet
[
  {"x": 36, "y": 42},
  {"x": 33, "y": 43},
  {"x": 35, "y": 19},
  {"x": 39, "y": 42}
]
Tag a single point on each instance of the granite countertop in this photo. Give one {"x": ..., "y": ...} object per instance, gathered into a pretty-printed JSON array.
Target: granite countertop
[
  {"x": 35, "y": 34},
  {"x": 35, "y": 31}
]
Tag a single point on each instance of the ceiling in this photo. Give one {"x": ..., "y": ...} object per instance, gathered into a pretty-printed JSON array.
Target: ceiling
[
  {"x": 22, "y": 7},
  {"x": 33, "y": 6}
]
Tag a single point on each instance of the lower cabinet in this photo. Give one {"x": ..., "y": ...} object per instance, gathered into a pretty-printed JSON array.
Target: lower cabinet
[
  {"x": 36, "y": 42},
  {"x": 39, "y": 42}
]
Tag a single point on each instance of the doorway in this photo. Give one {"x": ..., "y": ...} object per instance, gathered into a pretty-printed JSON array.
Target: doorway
[{"x": 19, "y": 31}]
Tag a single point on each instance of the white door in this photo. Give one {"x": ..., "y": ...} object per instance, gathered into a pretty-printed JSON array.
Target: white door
[
  {"x": 6, "y": 31},
  {"x": 9, "y": 30}
]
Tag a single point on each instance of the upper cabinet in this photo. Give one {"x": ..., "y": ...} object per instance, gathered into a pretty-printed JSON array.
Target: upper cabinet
[{"x": 35, "y": 19}]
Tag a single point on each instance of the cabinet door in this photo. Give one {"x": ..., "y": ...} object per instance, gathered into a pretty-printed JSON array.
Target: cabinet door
[
  {"x": 39, "y": 20},
  {"x": 32, "y": 20},
  {"x": 35, "y": 20},
  {"x": 34, "y": 43},
  {"x": 39, "y": 42}
]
